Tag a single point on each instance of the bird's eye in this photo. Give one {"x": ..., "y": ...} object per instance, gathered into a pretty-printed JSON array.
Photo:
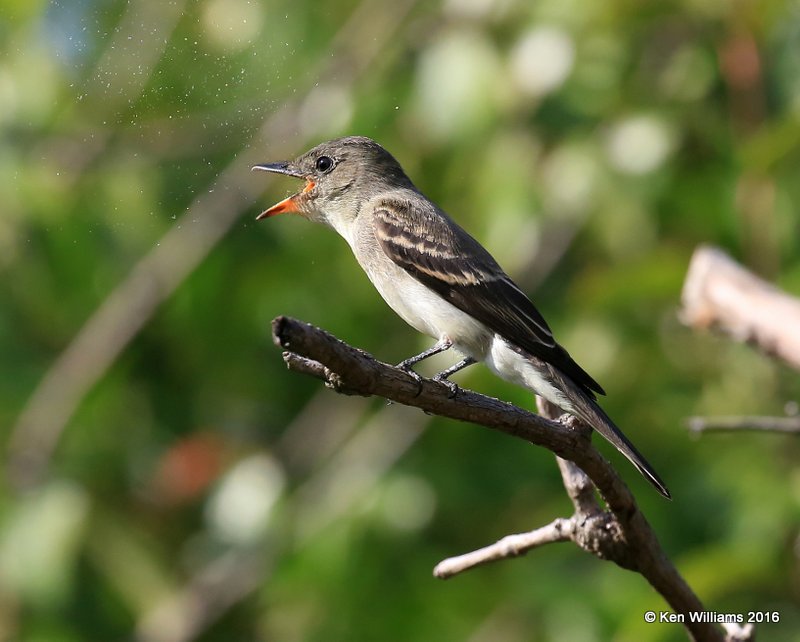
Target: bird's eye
[{"x": 324, "y": 163}]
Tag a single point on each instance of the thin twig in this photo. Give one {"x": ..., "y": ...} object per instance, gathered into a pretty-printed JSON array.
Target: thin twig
[
  {"x": 318, "y": 371},
  {"x": 733, "y": 424},
  {"x": 558, "y": 530}
]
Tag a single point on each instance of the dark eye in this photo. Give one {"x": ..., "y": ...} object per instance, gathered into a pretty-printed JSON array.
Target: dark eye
[{"x": 324, "y": 163}]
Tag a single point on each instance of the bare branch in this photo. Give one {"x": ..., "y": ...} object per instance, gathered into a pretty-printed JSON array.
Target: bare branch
[
  {"x": 318, "y": 371},
  {"x": 590, "y": 527},
  {"x": 510, "y": 546},
  {"x": 718, "y": 292},
  {"x": 579, "y": 487},
  {"x": 733, "y": 424},
  {"x": 620, "y": 534}
]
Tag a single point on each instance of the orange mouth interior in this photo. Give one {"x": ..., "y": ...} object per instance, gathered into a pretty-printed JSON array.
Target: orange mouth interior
[{"x": 287, "y": 205}]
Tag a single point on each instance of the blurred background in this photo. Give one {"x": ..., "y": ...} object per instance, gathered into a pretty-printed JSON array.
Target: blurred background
[{"x": 165, "y": 478}]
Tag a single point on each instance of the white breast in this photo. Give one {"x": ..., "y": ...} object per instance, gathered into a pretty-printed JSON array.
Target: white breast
[
  {"x": 415, "y": 303},
  {"x": 426, "y": 311}
]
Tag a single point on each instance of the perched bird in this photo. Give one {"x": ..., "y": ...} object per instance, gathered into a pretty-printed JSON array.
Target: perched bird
[{"x": 439, "y": 279}]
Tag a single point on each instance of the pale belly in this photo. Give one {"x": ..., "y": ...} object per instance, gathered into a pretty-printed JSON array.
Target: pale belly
[
  {"x": 427, "y": 312},
  {"x": 507, "y": 363}
]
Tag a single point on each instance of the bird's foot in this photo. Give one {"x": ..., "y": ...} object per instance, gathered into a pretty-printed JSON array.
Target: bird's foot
[
  {"x": 444, "y": 375},
  {"x": 406, "y": 367},
  {"x": 451, "y": 386}
]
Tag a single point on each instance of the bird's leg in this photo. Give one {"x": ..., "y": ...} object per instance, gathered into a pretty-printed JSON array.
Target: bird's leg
[
  {"x": 444, "y": 375},
  {"x": 441, "y": 345}
]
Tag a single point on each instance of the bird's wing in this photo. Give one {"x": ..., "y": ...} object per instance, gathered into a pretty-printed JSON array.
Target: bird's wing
[{"x": 437, "y": 252}]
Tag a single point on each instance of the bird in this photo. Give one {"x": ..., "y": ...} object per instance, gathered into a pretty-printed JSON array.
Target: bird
[{"x": 439, "y": 279}]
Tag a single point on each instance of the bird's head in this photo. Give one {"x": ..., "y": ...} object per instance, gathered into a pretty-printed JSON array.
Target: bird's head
[{"x": 340, "y": 175}]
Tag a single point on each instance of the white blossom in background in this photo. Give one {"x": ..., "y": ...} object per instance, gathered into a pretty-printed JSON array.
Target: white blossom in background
[
  {"x": 239, "y": 509},
  {"x": 409, "y": 503},
  {"x": 639, "y": 144},
  {"x": 232, "y": 25},
  {"x": 40, "y": 542},
  {"x": 542, "y": 60},
  {"x": 570, "y": 178},
  {"x": 459, "y": 84}
]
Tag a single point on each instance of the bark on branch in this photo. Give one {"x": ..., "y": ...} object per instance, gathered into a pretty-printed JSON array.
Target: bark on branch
[{"x": 619, "y": 532}]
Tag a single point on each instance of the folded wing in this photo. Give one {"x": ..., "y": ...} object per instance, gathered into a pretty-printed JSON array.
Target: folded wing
[{"x": 432, "y": 248}]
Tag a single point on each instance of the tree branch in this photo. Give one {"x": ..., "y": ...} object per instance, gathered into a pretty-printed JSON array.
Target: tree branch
[
  {"x": 619, "y": 533},
  {"x": 720, "y": 293},
  {"x": 559, "y": 530},
  {"x": 733, "y": 424}
]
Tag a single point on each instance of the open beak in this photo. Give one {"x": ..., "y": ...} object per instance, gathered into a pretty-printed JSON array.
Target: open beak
[{"x": 287, "y": 204}]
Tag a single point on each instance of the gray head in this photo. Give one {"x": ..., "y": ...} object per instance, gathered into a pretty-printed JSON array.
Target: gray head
[{"x": 340, "y": 175}]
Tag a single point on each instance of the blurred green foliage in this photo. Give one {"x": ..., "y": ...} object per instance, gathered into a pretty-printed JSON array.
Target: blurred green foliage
[{"x": 202, "y": 492}]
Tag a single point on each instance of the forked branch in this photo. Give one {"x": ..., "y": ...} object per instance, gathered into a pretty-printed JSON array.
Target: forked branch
[{"x": 619, "y": 532}]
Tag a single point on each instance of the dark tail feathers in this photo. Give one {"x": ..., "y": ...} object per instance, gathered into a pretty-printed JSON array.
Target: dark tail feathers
[{"x": 588, "y": 410}]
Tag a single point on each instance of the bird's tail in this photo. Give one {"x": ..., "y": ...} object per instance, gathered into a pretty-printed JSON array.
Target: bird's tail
[{"x": 588, "y": 410}]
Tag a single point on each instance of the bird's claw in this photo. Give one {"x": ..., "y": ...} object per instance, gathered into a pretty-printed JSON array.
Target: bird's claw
[
  {"x": 406, "y": 367},
  {"x": 451, "y": 386}
]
